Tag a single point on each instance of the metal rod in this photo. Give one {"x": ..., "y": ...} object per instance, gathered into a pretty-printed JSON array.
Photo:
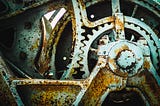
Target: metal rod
[
  {"x": 115, "y": 7},
  {"x": 17, "y": 69},
  {"x": 134, "y": 10}
]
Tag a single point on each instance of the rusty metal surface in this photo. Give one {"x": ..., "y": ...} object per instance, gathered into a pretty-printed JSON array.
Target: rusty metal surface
[
  {"x": 114, "y": 53},
  {"x": 62, "y": 95},
  {"x": 5, "y": 93},
  {"x": 105, "y": 80},
  {"x": 148, "y": 85},
  {"x": 8, "y": 93},
  {"x": 18, "y": 7}
]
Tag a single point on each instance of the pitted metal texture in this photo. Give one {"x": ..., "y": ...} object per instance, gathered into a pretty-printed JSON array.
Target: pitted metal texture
[{"x": 80, "y": 52}]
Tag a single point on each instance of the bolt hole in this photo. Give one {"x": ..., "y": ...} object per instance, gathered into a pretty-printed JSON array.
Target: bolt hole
[{"x": 92, "y": 16}]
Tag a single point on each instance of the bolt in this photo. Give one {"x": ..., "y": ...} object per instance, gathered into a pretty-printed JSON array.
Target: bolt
[
  {"x": 64, "y": 58},
  {"x": 22, "y": 55},
  {"x": 92, "y": 16},
  {"x": 27, "y": 25},
  {"x": 142, "y": 19}
]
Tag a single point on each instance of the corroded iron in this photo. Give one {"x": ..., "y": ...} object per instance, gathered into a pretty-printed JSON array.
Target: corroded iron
[{"x": 79, "y": 52}]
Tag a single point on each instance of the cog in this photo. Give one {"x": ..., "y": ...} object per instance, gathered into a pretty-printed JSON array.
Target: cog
[
  {"x": 88, "y": 43},
  {"x": 83, "y": 45},
  {"x": 149, "y": 36}
]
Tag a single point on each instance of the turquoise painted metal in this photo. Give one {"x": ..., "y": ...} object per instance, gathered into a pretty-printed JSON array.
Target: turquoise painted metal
[{"x": 79, "y": 52}]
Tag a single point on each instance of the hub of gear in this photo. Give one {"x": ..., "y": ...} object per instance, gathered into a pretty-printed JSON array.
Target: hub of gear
[
  {"x": 79, "y": 52},
  {"x": 125, "y": 58}
]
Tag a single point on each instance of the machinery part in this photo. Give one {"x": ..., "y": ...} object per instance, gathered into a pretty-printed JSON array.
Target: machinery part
[
  {"x": 126, "y": 57},
  {"x": 96, "y": 55}
]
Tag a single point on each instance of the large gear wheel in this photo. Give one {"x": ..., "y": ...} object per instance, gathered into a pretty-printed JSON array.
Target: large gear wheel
[
  {"x": 132, "y": 24},
  {"x": 80, "y": 52}
]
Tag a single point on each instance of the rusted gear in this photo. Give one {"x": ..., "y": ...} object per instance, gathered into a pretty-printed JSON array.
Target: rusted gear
[
  {"x": 152, "y": 41},
  {"x": 101, "y": 30},
  {"x": 83, "y": 44},
  {"x": 126, "y": 57},
  {"x": 110, "y": 38}
]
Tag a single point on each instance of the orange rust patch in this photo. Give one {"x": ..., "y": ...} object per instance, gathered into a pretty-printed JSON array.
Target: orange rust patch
[
  {"x": 110, "y": 19},
  {"x": 124, "y": 47},
  {"x": 44, "y": 66},
  {"x": 146, "y": 64},
  {"x": 112, "y": 61},
  {"x": 51, "y": 95},
  {"x": 146, "y": 82},
  {"x": 100, "y": 84},
  {"x": 117, "y": 70},
  {"x": 6, "y": 96},
  {"x": 59, "y": 95},
  {"x": 82, "y": 4},
  {"x": 119, "y": 24},
  {"x": 35, "y": 45}
]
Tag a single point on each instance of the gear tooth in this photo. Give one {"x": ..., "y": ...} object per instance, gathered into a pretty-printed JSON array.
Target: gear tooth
[
  {"x": 126, "y": 23},
  {"x": 94, "y": 31},
  {"x": 87, "y": 73},
  {"x": 81, "y": 40},
  {"x": 82, "y": 37},
  {"x": 143, "y": 32},
  {"x": 80, "y": 52},
  {"x": 106, "y": 25},
  {"x": 86, "y": 43},
  {"x": 75, "y": 64},
  {"x": 83, "y": 44},
  {"x": 83, "y": 30},
  {"x": 89, "y": 36},
  {"x": 99, "y": 27},
  {"x": 81, "y": 62},
  {"x": 138, "y": 28},
  {"x": 132, "y": 25}
]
